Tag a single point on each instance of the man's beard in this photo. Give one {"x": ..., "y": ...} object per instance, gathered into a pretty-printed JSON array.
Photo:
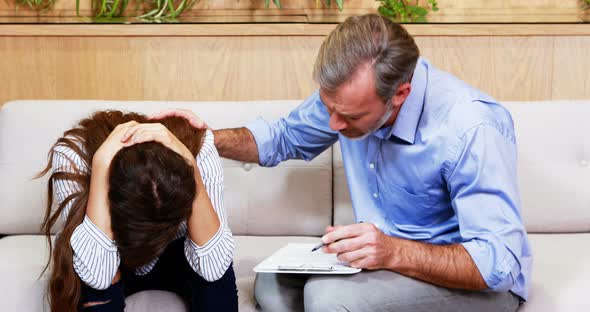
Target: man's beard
[{"x": 378, "y": 125}]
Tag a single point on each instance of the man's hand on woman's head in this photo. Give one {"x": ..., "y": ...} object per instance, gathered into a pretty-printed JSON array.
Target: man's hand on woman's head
[
  {"x": 140, "y": 133},
  {"x": 193, "y": 119}
]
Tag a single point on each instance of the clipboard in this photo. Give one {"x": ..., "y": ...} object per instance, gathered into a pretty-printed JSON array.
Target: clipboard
[{"x": 298, "y": 259}]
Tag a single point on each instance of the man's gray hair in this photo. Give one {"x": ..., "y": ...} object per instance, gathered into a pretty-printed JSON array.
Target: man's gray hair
[{"x": 373, "y": 39}]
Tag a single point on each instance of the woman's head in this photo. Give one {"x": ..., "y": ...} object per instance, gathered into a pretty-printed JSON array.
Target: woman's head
[{"x": 151, "y": 190}]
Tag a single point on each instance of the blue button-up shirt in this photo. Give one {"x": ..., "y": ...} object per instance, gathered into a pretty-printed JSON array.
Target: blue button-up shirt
[{"x": 443, "y": 173}]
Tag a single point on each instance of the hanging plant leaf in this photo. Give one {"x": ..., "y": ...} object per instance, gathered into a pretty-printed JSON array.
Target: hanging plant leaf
[
  {"x": 38, "y": 5},
  {"x": 403, "y": 10}
]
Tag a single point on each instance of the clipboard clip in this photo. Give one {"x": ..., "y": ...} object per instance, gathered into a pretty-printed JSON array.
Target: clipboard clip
[{"x": 306, "y": 268}]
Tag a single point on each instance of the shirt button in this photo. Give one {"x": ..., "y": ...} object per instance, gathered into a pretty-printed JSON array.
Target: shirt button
[
  {"x": 372, "y": 165},
  {"x": 375, "y": 195},
  {"x": 583, "y": 163},
  {"x": 247, "y": 167}
]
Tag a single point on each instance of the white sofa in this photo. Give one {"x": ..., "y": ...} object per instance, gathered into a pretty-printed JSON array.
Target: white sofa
[{"x": 293, "y": 202}]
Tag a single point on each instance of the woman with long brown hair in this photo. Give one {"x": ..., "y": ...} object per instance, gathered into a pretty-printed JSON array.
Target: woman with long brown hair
[{"x": 142, "y": 208}]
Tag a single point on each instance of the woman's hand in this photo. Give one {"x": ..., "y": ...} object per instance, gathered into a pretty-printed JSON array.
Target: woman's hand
[
  {"x": 113, "y": 144},
  {"x": 97, "y": 208},
  {"x": 157, "y": 132}
]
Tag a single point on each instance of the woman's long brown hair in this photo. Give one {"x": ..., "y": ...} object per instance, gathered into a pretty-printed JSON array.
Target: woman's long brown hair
[{"x": 64, "y": 288}]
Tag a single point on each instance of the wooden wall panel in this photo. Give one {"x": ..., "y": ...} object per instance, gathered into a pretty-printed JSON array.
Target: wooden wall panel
[
  {"x": 99, "y": 68},
  {"x": 170, "y": 68},
  {"x": 462, "y": 57},
  {"x": 28, "y": 68},
  {"x": 508, "y": 68},
  {"x": 269, "y": 67},
  {"x": 571, "y": 68},
  {"x": 522, "y": 67}
]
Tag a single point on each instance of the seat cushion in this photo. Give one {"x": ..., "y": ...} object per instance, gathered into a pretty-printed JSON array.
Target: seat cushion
[
  {"x": 24, "y": 256},
  {"x": 155, "y": 301},
  {"x": 560, "y": 273},
  {"x": 250, "y": 250}
]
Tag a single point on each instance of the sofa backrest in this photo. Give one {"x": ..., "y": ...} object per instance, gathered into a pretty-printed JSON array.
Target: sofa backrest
[
  {"x": 553, "y": 139},
  {"x": 294, "y": 198}
]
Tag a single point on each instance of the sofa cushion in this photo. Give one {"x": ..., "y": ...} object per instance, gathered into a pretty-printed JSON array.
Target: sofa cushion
[
  {"x": 155, "y": 301},
  {"x": 24, "y": 256},
  {"x": 560, "y": 273},
  {"x": 553, "y": 167},
  {"x": 553, "y": 140},
  {"x": 343, "y": 212},
  {"x": 250, "y": 250},
  {"x": 295, "y": 198}
]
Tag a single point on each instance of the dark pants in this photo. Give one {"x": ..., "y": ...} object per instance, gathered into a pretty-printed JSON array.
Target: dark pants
[{"x": 171, "y": 273}]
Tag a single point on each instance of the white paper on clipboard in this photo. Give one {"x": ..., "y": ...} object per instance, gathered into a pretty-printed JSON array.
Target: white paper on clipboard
[{"x": 298, "y": 258}]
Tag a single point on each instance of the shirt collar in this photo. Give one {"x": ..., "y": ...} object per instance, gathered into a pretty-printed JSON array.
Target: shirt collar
[{"x": 406, "y": 122}]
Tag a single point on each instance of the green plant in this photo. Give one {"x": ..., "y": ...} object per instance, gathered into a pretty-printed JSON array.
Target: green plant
[
  {"x": 165, "y": 9},
  {"x": 339, "y": 3},
  {"x": 37, "y": 5},
  {"x": 155, "y": 10},
  {"x": 107, "y": 10},
  {"x": 407, "y": 10}
]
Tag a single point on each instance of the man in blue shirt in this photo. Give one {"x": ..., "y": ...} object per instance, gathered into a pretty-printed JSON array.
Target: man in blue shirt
[{"x": 431, "y": 168}]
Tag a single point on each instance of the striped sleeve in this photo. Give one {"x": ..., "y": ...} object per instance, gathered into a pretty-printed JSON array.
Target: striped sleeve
[
  {"x": 96, "y": 259},
  {"x": 212, "y": 259}
]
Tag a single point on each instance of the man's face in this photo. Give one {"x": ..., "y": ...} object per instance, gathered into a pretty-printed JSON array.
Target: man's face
[{"x": 355, "y": 108}]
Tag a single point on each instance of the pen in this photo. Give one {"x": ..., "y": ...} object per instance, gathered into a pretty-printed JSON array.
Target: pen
[
  {"x": 321, "y": 244},
  {"x": 318, "y": 246}
]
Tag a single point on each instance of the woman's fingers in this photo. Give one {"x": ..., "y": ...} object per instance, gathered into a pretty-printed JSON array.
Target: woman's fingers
[
  {"x": 145, "y": 133},
  {"x": 111, "y": 145},
  {"x": 131, "y": 129},
  {"x": 157, "y": 132}
]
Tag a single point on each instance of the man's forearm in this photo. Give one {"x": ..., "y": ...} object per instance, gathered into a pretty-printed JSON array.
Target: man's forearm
[
  {"x": 449, "y": 266},
  {"x": 237, "y": 144}
]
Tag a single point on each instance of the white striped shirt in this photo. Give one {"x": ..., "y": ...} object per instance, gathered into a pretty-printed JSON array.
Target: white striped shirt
[{"x": 96, "y": 259}]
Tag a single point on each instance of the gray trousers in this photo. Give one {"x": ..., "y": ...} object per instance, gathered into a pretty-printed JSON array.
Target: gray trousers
[{"x": 370, "y": 291}]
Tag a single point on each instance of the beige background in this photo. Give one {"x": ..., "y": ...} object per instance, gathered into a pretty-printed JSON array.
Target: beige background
[{"x": 250, "y": 65}]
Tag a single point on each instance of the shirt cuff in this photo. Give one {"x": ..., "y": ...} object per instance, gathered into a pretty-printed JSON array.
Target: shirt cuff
[
  {"x": 260, "y": 130},
  {"x": 209, "y": 246},
  {"x": 98, "y": 236},
  {"x": 496, "y": 264}
]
